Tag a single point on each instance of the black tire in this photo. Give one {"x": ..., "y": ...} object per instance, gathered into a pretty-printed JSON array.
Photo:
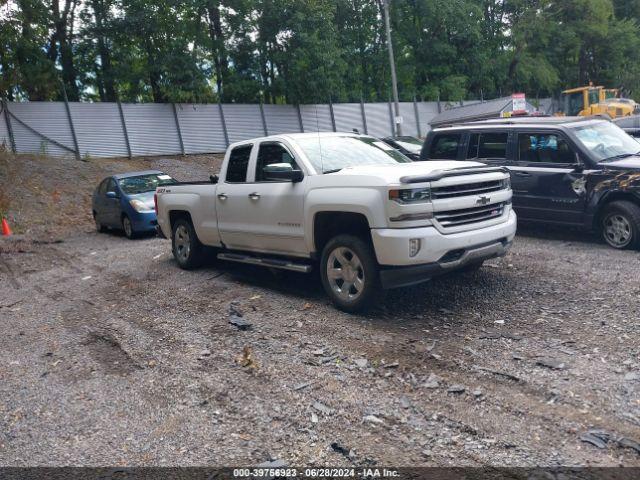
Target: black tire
[
  {"x": 187, "y": 249},
  {"x": 620, "y": 225},
  {"x": 361, "y": 275},
  {"x": 99, "y": 227},
  {"x": 127, "y": 227}
]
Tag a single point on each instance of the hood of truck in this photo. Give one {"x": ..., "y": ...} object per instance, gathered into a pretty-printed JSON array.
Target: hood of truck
[{"x": 391, "y": 174}]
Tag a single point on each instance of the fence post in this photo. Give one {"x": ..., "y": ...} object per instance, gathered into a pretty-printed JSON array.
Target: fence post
[
  {"x": 392, "y": 123},
  {"x": 175, "y": 117},
  {"x": 300, "y": 118},
  {"x": 333, "y": 118},
  {"x": 73, "y": 130},
  {"x": 264, "y": 120},
  {"x": 364, "y": 116},
  {"x": 12, "y": 140},
  {"x": 224, "y": 124},
  {"x": 415, "y": 110},
  {"x": 124, "y": 128},
  {"x": 439, "y": 106}
]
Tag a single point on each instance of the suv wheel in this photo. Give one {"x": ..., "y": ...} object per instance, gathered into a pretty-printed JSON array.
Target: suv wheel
[
  {"x": 620, "y": 225},
  {"x": 350, "y": 273},
  {"x": 187, "y": 249}
]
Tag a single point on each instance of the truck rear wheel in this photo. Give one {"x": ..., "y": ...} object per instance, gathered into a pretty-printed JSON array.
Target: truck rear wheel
[
  {"x": 350, "y": 273},
  {"x": 187, "y": 249},
  {"x": 620, "y": 225}
]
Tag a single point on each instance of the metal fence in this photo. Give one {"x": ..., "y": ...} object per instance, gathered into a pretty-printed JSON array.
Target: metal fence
[{"x": 129, "y": 130}]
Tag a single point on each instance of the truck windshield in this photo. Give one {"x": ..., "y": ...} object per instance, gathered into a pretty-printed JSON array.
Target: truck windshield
[
  {"x": 606, "y": 141},
  {"x": 144, "y": 183},
  {"x": 330, "y": 154},
  {"x": 573, "y": 103}
]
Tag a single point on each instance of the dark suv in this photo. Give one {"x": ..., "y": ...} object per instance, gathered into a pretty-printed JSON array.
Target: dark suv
[{"x": 575, "y": 171}]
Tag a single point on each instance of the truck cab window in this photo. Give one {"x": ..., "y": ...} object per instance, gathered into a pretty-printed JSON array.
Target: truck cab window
[
  {"x": 238, "y": 164},
  {"x": 445, "y": 147},
  {"x": 544, "y": 148},
  {"x": 269, "y": 154}
]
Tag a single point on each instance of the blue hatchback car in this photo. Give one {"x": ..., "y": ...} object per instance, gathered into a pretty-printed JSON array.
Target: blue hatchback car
[{"x": 126, "y": 202}]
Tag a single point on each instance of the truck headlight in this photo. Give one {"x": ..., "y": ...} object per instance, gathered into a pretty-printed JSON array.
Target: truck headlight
[
  {"x": 411, "y": 195},
  {"x": 139, "y": 206},
  {"x": 506, "y": 183}
]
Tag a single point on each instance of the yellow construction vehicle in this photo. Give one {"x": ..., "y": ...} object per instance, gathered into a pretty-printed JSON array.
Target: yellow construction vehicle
[{"x": 597, "y": 100}]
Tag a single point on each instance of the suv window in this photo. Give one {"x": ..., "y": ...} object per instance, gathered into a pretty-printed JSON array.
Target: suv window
[
  {"x": 445, "y": 146},
  {"x": 544, "y": 148},
  {"x": 488, "y": 145},
  {"x": 238, "y": 164},
  {"x": 269, "y": 154}
]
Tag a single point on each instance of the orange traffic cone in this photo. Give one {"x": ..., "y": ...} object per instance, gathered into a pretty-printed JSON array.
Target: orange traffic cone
[{"x": 6, "y": 230}]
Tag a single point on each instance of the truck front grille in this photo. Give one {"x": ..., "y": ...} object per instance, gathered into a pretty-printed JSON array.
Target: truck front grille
[
  {"x": 467, "y": 189},
  {"x": 466, "y": 216}
]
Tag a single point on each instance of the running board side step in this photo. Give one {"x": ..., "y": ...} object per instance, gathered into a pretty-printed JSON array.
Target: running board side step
[{"x": 265, "y": 262}]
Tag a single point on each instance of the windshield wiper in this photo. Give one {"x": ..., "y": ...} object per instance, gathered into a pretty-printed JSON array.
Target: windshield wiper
[
  {"x": 622, "y": 155},
  {"x": 331, "y": 171}
]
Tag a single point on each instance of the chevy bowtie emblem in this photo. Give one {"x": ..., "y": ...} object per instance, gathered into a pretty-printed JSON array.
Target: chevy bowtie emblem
[{"x": 483, "y": 200}]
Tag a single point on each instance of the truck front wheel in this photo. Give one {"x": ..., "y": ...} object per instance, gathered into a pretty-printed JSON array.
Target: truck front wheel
[
  {"x": 349, "y": 273},
  {"x": 187, "y": 249},
  {"x": 621, "y": 225}
]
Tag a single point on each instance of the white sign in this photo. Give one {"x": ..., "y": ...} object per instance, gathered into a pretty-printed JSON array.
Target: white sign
[
  {"x": 399, "y": 119},
  {"x": 519, "y": 102}
]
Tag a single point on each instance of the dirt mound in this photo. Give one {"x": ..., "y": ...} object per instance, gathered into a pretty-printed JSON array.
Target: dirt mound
[{"x": 45, "y": 196}]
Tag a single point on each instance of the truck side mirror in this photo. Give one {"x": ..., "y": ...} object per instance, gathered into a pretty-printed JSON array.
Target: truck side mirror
[{"x": 282, "y": 172}]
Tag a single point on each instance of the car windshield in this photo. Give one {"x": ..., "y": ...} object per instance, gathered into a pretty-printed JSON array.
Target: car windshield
[
  {"x": 330, "y": 154},
  {"x": 606, "y": 141},
  {"x": 410, "y": 145},
  {"x": 144, "y": 183}
]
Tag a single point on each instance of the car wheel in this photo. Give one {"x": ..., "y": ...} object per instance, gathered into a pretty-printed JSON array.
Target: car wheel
[
  {"x": 620, "y": 225},
  {"x": 350, "y": 273},
  {"x": 187, "y": 249},
  {"x": 99, "y": 227},
  {"x": 127, "y": 227}
]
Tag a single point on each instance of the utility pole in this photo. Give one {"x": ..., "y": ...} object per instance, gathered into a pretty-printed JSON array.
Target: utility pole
[{"x": 392, "y": 62}]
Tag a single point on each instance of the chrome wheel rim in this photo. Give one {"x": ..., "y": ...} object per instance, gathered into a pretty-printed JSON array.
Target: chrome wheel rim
[
  {"x": 182, "y": 243},
  {"x": 126, "y": 224},
  {"x": 617, "y": 230},
  {"x": 345, "y": 274}
]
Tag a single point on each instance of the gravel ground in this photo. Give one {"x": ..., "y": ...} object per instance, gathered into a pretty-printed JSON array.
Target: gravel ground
[{"x": 111, "y": 355}]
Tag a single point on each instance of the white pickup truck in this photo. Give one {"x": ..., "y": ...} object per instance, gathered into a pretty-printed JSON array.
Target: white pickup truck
[{"x": 362, "y": 213}]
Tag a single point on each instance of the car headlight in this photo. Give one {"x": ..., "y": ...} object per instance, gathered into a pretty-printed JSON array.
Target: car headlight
[
  {"x": 411, "y": 195},
  {"x": 139, "y": 206}
]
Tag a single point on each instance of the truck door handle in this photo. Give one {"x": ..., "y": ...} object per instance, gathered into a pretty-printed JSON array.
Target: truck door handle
[
  {"x": 522, "y": 174},
  {"x": 254, "y": 196},
  {"x": 222, "y": 196}
]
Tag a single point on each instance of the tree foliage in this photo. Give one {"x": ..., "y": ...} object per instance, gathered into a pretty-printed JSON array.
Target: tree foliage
[{"x": 306, "y": 51}]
